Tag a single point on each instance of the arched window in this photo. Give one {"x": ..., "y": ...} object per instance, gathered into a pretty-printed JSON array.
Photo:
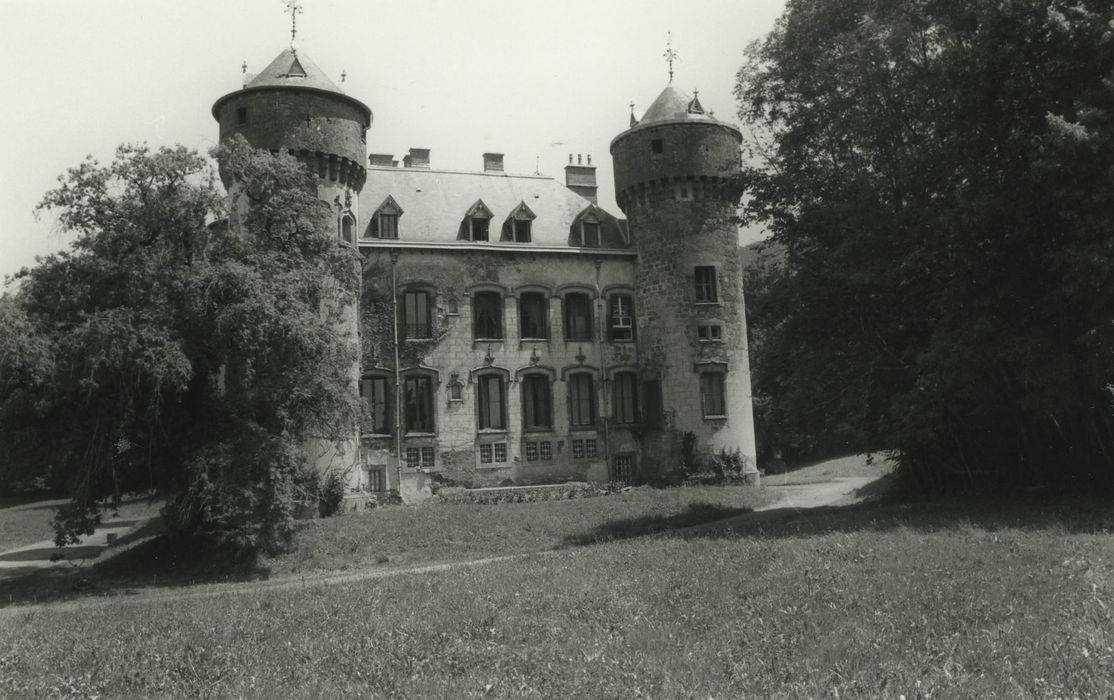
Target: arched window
[
  {"x": 582, "y": 400},
  {"x": 537, "y": 403},
  {"x": 625, "y": 397},
  {"x": 491, "y": 403},
  {"x": 417, "y": 396},
  {"x": 620, "y": 317},
  {"x": 578, "y": 316},
  {"x": 348, "y": 229},
  {"x": 416, "y": 315},
  {"x": 487, "y": 316},
  {"x": 533, "y": 316},
  {"x": 377, "y": 391}
]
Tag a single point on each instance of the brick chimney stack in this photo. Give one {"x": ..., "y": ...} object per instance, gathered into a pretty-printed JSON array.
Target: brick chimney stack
[
  {"x": 382, "y": 160},
  {"x": 493, "y": 162},
  {"x": 417, "y": 158},
  {"x": 581, "y": 178}
]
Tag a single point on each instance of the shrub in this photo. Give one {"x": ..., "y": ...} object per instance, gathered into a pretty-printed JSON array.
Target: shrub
[{"x": 331, "y": 494}]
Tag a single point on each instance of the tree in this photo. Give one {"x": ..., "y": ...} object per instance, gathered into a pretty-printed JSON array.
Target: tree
[
  {"x": 940, "y": 175},
  {"x": 172, "y": 348}
]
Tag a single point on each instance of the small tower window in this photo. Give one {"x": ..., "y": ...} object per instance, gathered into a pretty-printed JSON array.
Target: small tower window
[
  {"x": 242, "y": 115},
  {"x": 706, "y": 292},
  {"x": 348, "y": 229},
  {"x": 656, "y": 146},
  {"x": 710, "y": 332}
]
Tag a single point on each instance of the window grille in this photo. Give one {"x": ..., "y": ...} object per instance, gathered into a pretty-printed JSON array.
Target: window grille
[
  {"x": 622, "y": 468},
  {"x": 427, "y": 456},
  {"x": 413, "y": 457}
]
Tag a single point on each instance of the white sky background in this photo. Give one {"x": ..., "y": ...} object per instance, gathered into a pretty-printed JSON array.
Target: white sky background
[{"x": 526, "y": 78}]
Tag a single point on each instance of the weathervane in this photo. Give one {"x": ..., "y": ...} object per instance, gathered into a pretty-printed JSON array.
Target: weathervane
[
  {"x": 670, "y": 55},
  {"x": 293, "y": 8}
]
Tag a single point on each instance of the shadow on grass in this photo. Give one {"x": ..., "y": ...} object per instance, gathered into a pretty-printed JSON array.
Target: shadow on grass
[
  {"x": 695, "y": 514},
  {"x": 1070, "y": 516},
  {"x": 151, "y": 561}
]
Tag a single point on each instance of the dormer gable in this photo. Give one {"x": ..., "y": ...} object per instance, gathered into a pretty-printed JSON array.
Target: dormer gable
[
  {"x": 595, "y": 228},
  {"x": 476, "y": 225},
  {"x": 384, "y": 221},
  {"x": 518, "y": 227}
]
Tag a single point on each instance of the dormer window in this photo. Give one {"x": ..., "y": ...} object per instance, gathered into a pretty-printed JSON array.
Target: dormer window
[
  {"x": 590, "y": 234},
  {"x": 477, "y": 223},
  {"x": 384, "y": 222},
  {"x": 478, "y": 228},
  {"x": 518, "y": 226}
]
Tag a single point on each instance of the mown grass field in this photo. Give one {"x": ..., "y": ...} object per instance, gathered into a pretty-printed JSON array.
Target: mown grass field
[
  {"x": 398, "y": 537},
  {"x": 929, "y": 600}
]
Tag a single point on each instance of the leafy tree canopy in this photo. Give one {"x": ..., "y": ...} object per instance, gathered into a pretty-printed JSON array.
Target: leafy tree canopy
[
  {"x": 176, "y": 348},
  {"x": 941, "y": 175}
]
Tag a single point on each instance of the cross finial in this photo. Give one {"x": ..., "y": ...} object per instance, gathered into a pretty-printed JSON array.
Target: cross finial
[
  {"x": 343, "y": 75},
  {"x": 670, "y": 55},
  {"x": 244, "y": 67},
  {"x": 294, "y": 8}
]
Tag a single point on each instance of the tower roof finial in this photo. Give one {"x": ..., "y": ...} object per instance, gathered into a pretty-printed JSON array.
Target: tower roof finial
[
  {"x": 670, "y": 55},
  {"x": 294, "y": 8}
]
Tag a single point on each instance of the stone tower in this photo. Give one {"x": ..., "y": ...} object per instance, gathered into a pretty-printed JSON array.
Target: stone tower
[
  {"x": 293, "y": 106},
  {"x": 674, "y": 179}
]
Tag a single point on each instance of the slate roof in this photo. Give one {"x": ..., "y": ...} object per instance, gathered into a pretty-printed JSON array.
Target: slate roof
[
  {"x": 292, "y": 70},
  {"x": 284, "y": 71},
  {"x": 435, "y": 203},
  {"x": 673, "y": 105}
]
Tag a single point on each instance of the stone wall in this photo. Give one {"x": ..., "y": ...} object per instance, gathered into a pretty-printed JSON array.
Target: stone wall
[{"x": 453, "y": 356}]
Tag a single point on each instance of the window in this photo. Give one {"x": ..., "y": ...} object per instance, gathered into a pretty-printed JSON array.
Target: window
[
  {"x": 656, "y": 146},
  {"x": 709, "y": 332},
  {"x": 533, "y": 316},
  {"x": 712, "y": 400},
  {"x": 582, "y": 400},
  {"x": 384, "y": 222},
  {"x": 620, "y": 317},
  {"x": 427, "y": 456},
  {"x": 487, "y": 316},
  {"x": 416, "y": 315},
  {"x": 625, "y": 387},
  {"x": 590, "y": 234},
  {"x": 578, "y": 316},
  {"x": 453, "y": 306},
  {"x": 242, "y": 115},
  {"x": 376, "y": 391},
  {"x": 622, "y": 468},
  {"x": 706, "y": 284},
  {"x": 478, "y": 229},
  {"x": 348, "y": 229},
  {"x": 493, "y": 453},
  {"x": 456, "y": 389},
  {"x": 418, "y": 397},
  {"x": 517, "y": 226},
  {"x": 377, "y": 478},
  {"x": 537, "y": 403},
  {"x": 388, "y": 226},
  {"x": 584, "y": 449},
  {"x": 540, "y": 451},
  {"x": 492, "y": 403},
  {"x": 413, "y": 458}
]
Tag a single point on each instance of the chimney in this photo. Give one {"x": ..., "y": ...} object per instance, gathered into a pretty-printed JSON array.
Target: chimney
[
  {"x": 581, "y": 179},
  {"x": 418, "y": 158},
  {"x": 493, "y": 162},
  {"x": 382, "y": 160}
]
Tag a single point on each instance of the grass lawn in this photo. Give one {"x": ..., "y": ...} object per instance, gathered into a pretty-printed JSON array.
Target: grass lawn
[
  {"x": 25, "y": 521},
  {"x": 402, "y": 536},
  {"x": 940, "y": 600}
]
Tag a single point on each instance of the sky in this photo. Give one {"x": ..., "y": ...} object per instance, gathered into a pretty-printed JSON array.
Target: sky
[{"x": 533, "y": 80}]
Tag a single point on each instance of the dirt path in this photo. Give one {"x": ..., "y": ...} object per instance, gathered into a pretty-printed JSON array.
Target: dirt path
[{"x": 837, "y": 492}]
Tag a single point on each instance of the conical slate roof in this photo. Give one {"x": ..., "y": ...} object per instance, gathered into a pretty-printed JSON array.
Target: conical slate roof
[
  {"x": 291, "y": 68},
  {"x": 673, "y": 104}
]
